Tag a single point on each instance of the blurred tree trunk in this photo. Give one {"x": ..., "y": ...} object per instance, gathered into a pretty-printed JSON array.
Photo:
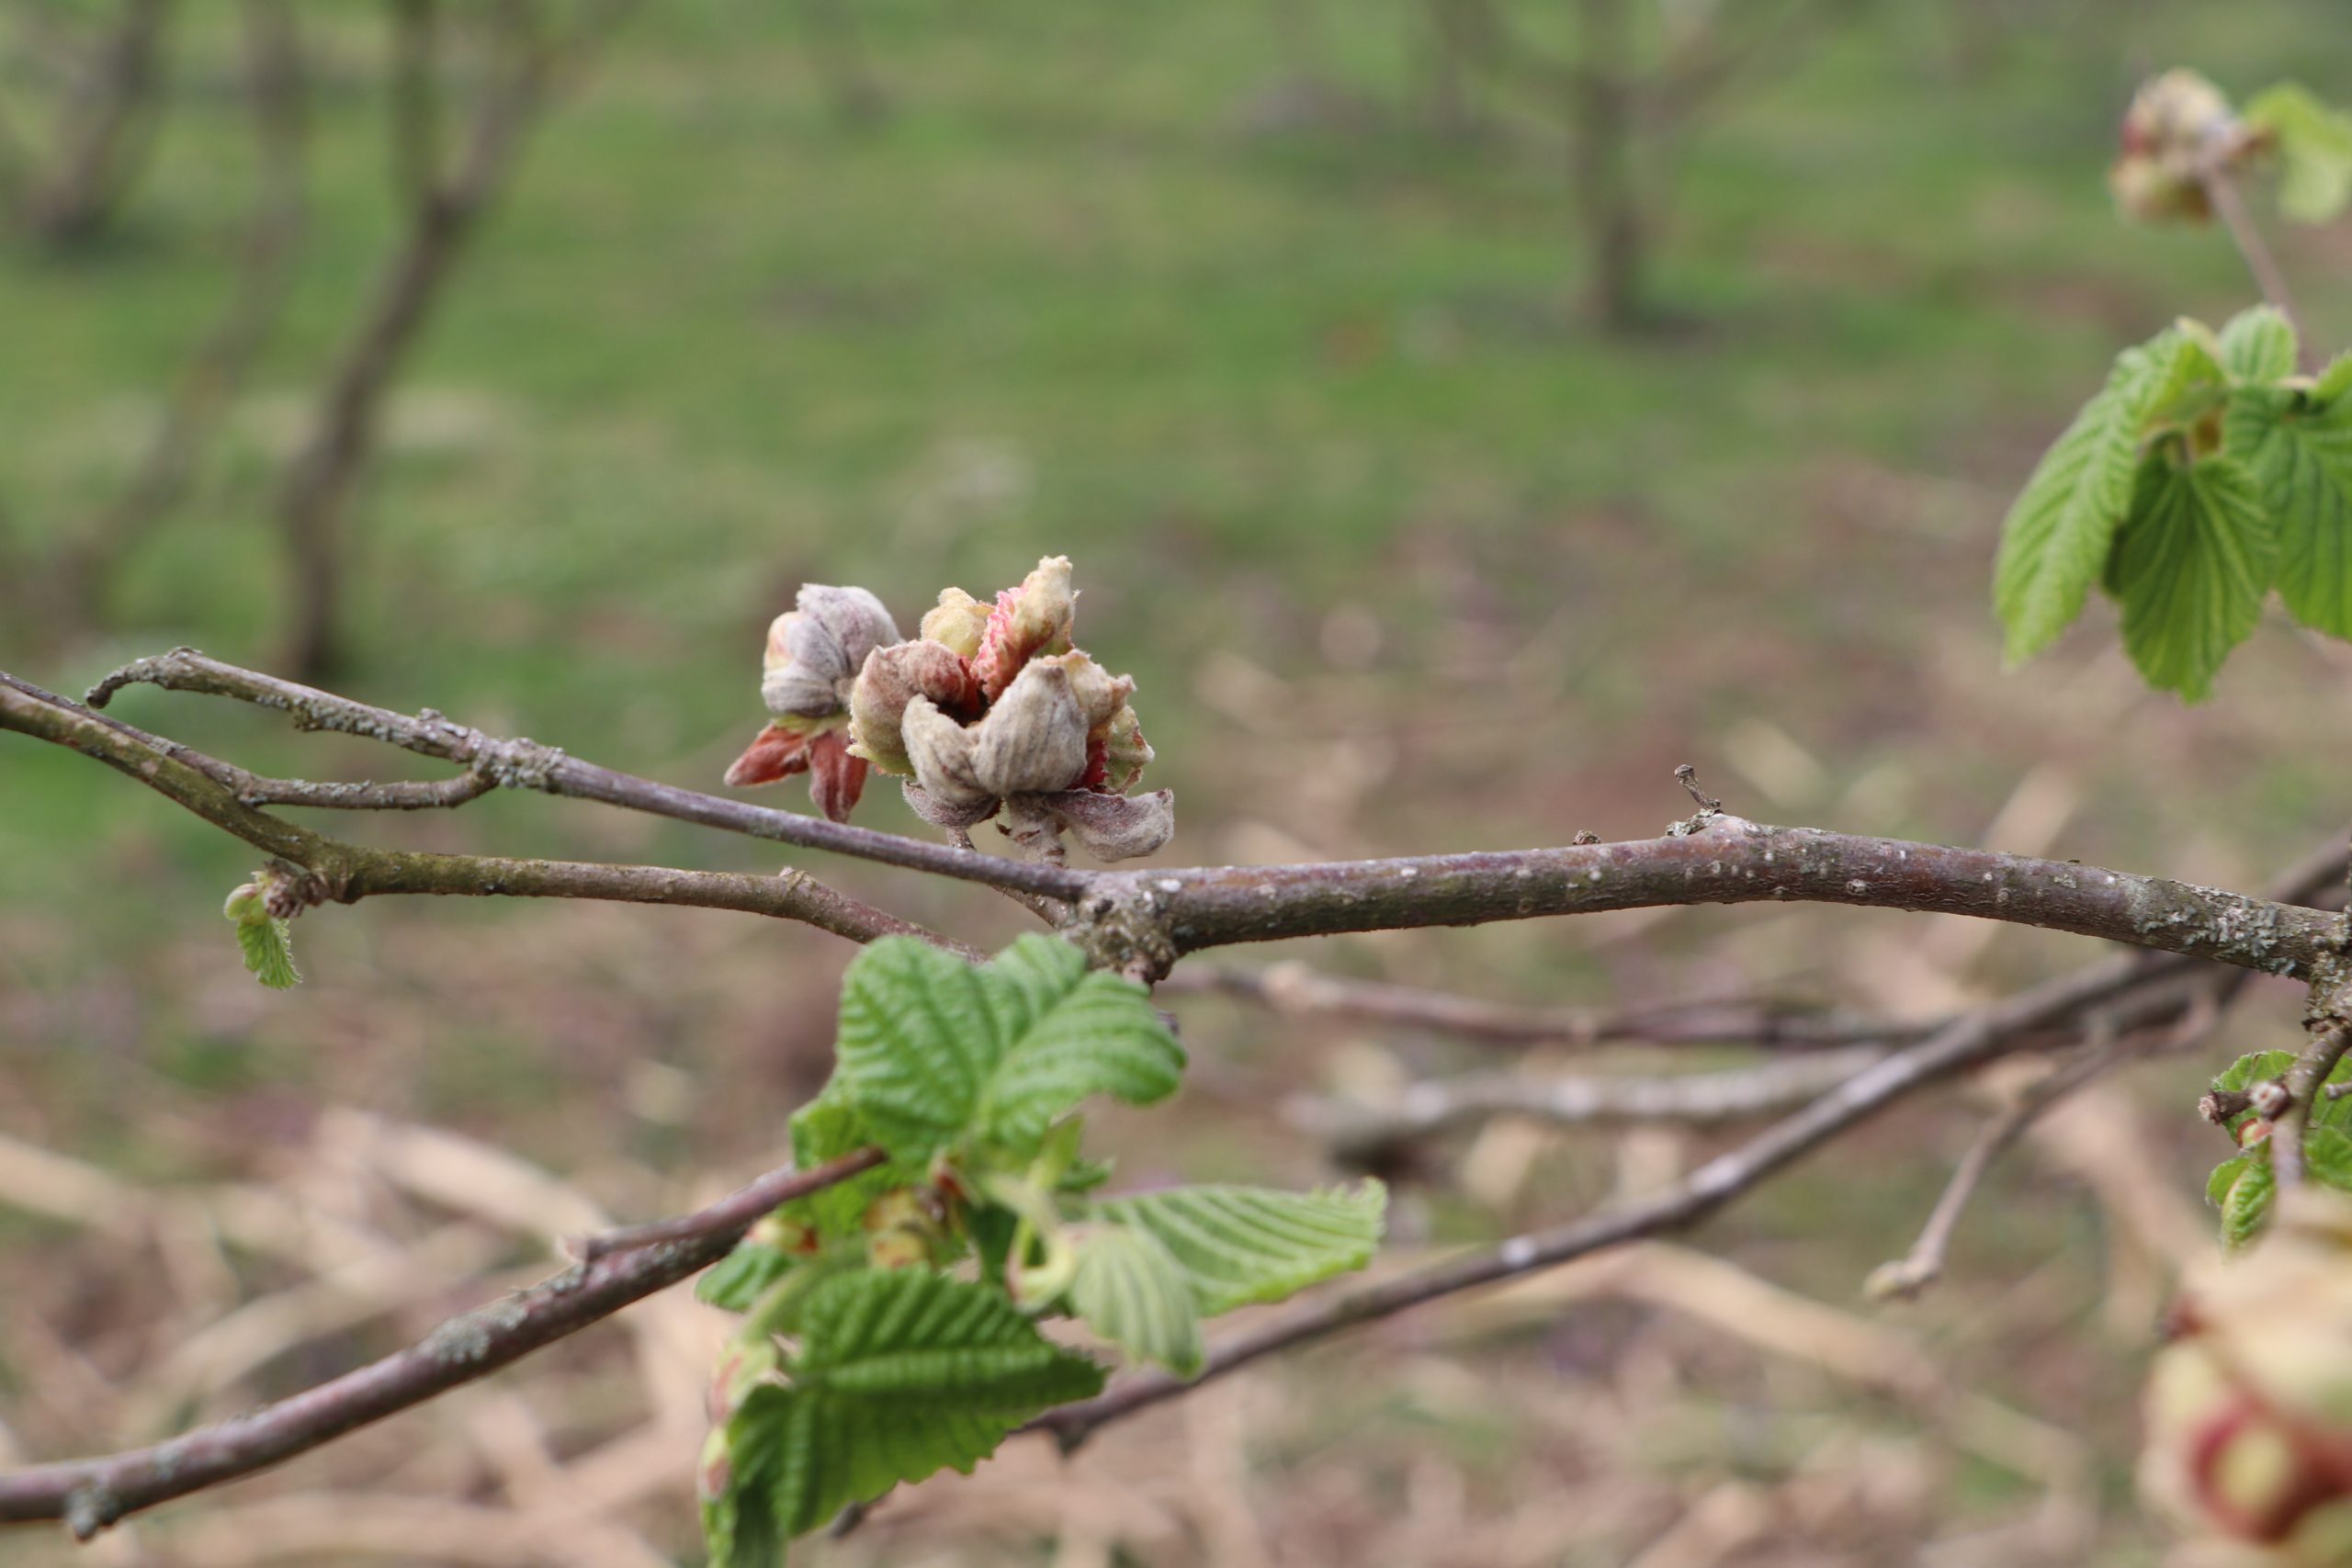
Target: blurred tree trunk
[
  {"x": 523, "y": 57},
  {"x": 442, "y": 209},
  {"x": 837, "y": 54},
  {"x": 205, "y": 387},
  {"x": 103, "y": 131},
  {"x": 1602, "y": 126},
  {"x": 1461, "y": 46}
]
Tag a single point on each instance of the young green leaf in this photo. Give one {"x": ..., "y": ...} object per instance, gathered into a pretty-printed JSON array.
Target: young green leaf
[
  {"x": 2334, "y": 381},
  {"x": 2056, "y": 538},
  {"x": 2315, "y": 144},
  {"x": 2262, "y": 1067},
  {"x": 2254, "y": 1067},
  {"x": 2246, "y": 1204},
  {"x": 2302, "y": 458},
  {"x": 2259, "y": 345},
  {"x": 1069, "y": 1032},
  {"x": 2224, "y": 1177},
  {"x": 743, "y": 1276},
  {"x": 1130, "y": 1289},
  {"x": 1241, "y": 1245},
  {"x": 932, "y": 1051},
  {"x": 2327, "y": 1155},
  {"x": 2191, "y": 570},
  {"x": 269, "y": 948},
  {"x": 826, "y": 1129},
  {"x": 898, "y": 1374}
]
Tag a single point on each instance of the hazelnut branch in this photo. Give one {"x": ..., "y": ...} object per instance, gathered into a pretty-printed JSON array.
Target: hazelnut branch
[
  {"x": 90, "y": 1495},
  {"x": 526, "y": 764},
  {"x": 346, "y": 872}
]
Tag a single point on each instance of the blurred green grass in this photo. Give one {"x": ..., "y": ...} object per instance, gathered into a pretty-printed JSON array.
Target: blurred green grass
[
  {"x": 1062, "y": 299},
  {"x": 1074, "y": 295}
]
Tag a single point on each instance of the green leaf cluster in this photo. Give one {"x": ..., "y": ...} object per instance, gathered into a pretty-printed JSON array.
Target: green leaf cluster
[
  {"x": 2242, "y": 1185},
  {"x": 2203, "y": 474},
  {"x": 891, "y": 1321}
]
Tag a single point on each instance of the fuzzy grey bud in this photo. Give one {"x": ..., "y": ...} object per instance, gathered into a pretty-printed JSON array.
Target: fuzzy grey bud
[
  {"x": 1033, "y": 739},
  {"x": 815, "y": 650},
  {"x": 940, "y": 751},
  {"x": 891, "y": 678}
]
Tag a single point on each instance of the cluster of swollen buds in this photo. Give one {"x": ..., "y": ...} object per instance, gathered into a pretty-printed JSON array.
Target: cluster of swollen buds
[
  {"x": 2178, "y": 132},
  {"x": 2249, "y": 1409},
  {"x": 990, "y": 712}
]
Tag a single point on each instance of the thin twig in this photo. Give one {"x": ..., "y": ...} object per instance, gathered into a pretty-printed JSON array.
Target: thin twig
[
  {"x": 733, "y": 1214},
  {"x": 90, "y": 1495},
  {"x": 1293, "y": 990},
  {"x": 1050, "y": 911},
  {"x": 1694, "y": 1099},
  {"x": 347, "y": 872},
  {"x": 2222, "y": 192},
  {"x": 1967, "y": 1041},
  {"x": 1908, "y": 1277},
  {"x": 1924, "y": 1264},
  {"x": 526, "y": 764},
  {"x": 2303, "y": 1082}
]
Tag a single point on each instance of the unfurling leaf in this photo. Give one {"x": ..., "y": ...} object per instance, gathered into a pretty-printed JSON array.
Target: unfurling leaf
[
  {"x": 1130, "y": 1289},
  {"x": 1242, "y": 1244},
  {"x": 2056, "y": 539},
  {"x": 266, "y": 940},
  {"x": 2300, "y": 450},
  {"x": 2259, "y": 345},
  {"x": 933, "y": 1052},
  {"x": 2246, "y": 1204},
  {"x": 2334, "y": 382},
  {"x": 2191, "y": 570},
  {"x": 898, "y": 1374},
  {"x": 2225, "y": 1175}
]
